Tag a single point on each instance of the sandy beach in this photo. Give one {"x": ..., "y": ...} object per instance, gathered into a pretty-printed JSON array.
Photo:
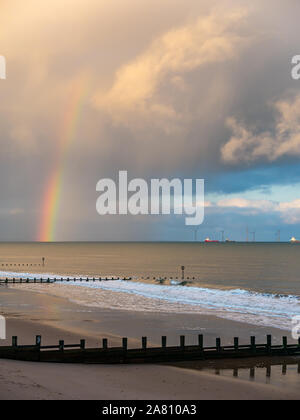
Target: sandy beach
[{"x": 55, "y": 318}]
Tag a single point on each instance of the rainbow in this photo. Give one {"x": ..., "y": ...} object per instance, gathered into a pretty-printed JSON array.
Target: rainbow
[{"x": 52, "y": 197}]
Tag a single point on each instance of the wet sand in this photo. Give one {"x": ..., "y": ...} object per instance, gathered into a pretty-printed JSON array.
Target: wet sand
[
  {"x": 55, "y": 318},
  {"x": 19, "y": 380}
]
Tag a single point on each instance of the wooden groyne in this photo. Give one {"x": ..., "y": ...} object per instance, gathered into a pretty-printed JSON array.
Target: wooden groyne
[
  {"x": 37, "y": 279},
  {"x": 20, "y": 265},
  {"x": 78, "y": 353},
  {"x": 18, "y": 280}
]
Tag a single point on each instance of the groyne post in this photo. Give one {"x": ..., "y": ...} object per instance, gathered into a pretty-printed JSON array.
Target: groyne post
[
  {"x": 269, "y": 343},
  {"x": 284, "y": 343},
  {"x": 253, "y": 344},
  {"x": 182, "y": 342},
  {"x": 61, "y": 345},
  {"x": 218, "y": 344},
  {"x": 200, "y": 342},
  {"x": 236, "y": 343},
  {"x": 144, "y": 343},
  {"x": 124, "y": 343},
  {"x": 38, "y": 340},
  {"x": 164, "y": 341}
]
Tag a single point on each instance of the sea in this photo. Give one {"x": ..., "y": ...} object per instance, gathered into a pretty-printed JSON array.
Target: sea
[{"x": 257, "y": 283}]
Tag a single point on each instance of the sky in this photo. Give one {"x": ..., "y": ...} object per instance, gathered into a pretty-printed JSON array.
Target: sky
[{"x": 187, "y": 89}]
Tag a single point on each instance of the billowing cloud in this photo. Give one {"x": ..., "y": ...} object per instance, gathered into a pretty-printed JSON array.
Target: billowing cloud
[
  {"x": 243, "y": 203},
  {"x": 246, "y": 145},
  {"x": 139, "y": 88},
  {"x": 288, "y": 211}
]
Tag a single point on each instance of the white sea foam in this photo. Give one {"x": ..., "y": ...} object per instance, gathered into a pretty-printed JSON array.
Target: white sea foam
[
  {"x": 240, "y": 305},
  {"x": 19, "y": 275}
]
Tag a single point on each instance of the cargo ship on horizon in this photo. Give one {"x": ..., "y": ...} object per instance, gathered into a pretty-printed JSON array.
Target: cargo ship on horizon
[{"x": 208, "y": 240}]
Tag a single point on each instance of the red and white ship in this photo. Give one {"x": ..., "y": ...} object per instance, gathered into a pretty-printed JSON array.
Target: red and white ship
[{"x": 208, "y": 240}]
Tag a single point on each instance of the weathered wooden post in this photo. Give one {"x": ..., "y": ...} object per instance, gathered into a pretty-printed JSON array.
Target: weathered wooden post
[
  {"x": 61, "y": 345},
  {"x": 252, "y": 373},
  {"x": 104, "y": 343},
  {"x": 15, "y": 341},
  {"x": 299, "y": 342},
  {"x": 144, "y": 343},
  {"x": 218, "y": 344},
  {"x": 284, "y": 343},
  {"x": 182, "y": 272},
  {"x": 253, "y": 344},
  {"x": 82, "y": 344},
  {"x": 200, "y": 341},
  {"x": 269, "y": 343},
  {"x": 164, "y": 341},
  {"x": 235, "y": 372},
  {"x": 269, "y": 371},
  {"x": 236, "y": 343},
  {"x": 182, "y": 342},
  {"x": 124, "y": 343},
  {"x": 38, "y": 340}
]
